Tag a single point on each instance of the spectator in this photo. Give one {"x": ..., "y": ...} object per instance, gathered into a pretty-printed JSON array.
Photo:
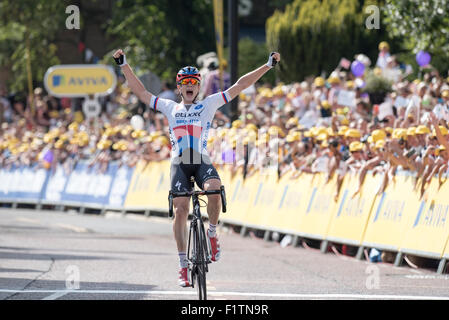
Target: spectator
[
  {"x": 384, "y": 54},
  {"x": 289, "y": 128},
  {"x": 213, "y": 83},
  {"x": 167, "y": 92},
  {"x": 6, "y": 111}
]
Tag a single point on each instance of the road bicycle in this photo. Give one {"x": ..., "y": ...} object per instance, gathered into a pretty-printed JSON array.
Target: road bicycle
[{"x": 198, "y": 248}]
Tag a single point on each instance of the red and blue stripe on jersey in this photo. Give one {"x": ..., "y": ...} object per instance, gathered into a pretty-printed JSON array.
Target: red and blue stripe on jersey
[{"x": 188, "y": 136}]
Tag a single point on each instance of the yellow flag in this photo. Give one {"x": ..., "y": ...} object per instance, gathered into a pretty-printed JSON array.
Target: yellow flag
[{"x": 218, "y": 21}]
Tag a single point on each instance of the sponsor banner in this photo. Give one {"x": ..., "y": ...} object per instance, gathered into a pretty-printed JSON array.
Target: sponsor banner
[
  {"x": 269, "y": 200},
  {"x": 88, "y": 185},
  {"x": 261, "y": 184},
  {"x": 446, "y": 250},
  {"x": 79, "y": 80},
  {"x": 321, "y": 203},
  {"x": 240, "y": 195},
  {"x": 141, "y": 185},
  {"x": 295, "y": 193},
  {"x": 56, "y": 185},
  {"x": 264, "y": 208},
  {"x": 120, "y": 186},
  {"x": 354, "y": 208},
  {"x": 64, "y": 186},
  {"x": 21, "y": 182},
  {"x": 149, "y": 186},
  {"x": 308, "y": 205},
  {"x": 161, "y": 186},
  {"x": 393, "y": 211},
  {"x": 226, "y": 175},
  {"x": 428, "y": 230}
]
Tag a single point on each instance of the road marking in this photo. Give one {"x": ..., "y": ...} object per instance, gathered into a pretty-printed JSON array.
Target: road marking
[
  {"x": 60, "y": 225},
  {"x": 229, "y": 293},
  {"x": 416, "y": 271},
  {"x": 55, "y": 296},
  {"x": 23, "y": 219},
  {"x": 210, "y": 286},
  {"x": 72, "y": 228},
  {"x": 113, "y": 215},
  {"x": 160, "y": 220},
  {"x": 138, "y": 217}
]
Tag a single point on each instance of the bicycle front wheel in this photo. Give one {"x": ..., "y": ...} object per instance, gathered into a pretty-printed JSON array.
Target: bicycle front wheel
[{"x": 201, "y": 265}]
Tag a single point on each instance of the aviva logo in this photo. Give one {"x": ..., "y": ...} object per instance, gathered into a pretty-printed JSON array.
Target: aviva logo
[
  {"x": 80, "y": 80},
  {"x": 60, "y": 80}
]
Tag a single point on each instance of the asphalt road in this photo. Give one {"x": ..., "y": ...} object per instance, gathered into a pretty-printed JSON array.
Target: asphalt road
[{"x": 61, "y": 255}]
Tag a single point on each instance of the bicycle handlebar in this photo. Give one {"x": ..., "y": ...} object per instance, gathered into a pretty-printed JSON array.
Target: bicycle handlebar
[
  {"x": 172, "y": 195},
  {"x": 191, "y": 193}
]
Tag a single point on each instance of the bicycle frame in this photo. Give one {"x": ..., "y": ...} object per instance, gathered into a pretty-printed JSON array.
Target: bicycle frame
[{"x": 197, "y": 222}]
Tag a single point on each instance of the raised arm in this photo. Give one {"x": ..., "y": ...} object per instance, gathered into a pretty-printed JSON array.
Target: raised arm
[
  {"x": 435, "y": 122},
  {"x": 134, "y": 83},
  {"x": 252, "y": 77}
]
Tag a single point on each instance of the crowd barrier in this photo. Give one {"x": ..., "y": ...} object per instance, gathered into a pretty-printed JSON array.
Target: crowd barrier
[
  {"x": 83, "y": 186},
  {"x": 397, "y": 218}
]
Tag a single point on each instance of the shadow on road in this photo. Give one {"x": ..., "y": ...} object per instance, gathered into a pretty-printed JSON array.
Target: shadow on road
[
  {"x": 110, "y": 290},
  {"x": 47, "y": 256},
  {"x": 18, "y": 270},
  {"x": 129, "y": 252}
]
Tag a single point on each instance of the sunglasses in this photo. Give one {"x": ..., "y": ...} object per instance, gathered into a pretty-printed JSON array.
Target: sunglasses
[{"x": 189, "y": 80}]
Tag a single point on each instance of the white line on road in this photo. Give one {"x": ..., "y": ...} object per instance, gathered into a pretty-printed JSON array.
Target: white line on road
[
  {"x": 28, "y": 220},
  {"x": 241, "y": 294},
  {"x": 59, "y": 225},
  {"x": 55, "y": 296},
  {"x": 71, "y": 227}
]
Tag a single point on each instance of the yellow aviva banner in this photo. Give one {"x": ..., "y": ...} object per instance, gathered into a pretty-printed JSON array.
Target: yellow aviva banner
[
  {"x": 263, "y": 211},
  {"x": 308, "y": 205},
  {"x": 275, "y": 200},
  {"x": 446, "y": 250},
  {"x": 293, "y": 202},
  {"x": 428, "y": 231},
  {"x": 314, "y": 220},
  {"x": 353, "y": 209},
  {"x": 240, "y": 194},
  {"x": 393, "y": 211},
  {"x": 149, "y": 186},
  {"x": 78, "y": 80}
]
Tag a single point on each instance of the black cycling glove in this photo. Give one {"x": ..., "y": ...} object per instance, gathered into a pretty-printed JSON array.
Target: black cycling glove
[
  {"x": 271, "y": 60},
  {"x": 121, "y": 60}
]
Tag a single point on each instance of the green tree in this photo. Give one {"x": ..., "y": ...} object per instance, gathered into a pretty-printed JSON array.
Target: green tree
[
  {"x": 251, "y": 55},
  {"x": 420, "y": 25},
  {"x": 27, "y": 31},
  {"x": 162, "y": 36},
  {"x": 312, "y": 36}
]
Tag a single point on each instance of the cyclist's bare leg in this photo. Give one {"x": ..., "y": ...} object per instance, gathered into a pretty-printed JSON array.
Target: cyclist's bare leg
[
  {"x": 181, "y": 210},
  {"x": 213, "y": 210},
  {"x": 214, "y": 200}
]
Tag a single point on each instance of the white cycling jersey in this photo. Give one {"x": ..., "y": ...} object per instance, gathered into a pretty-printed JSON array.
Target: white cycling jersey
[{"x": 189, "y": 126}]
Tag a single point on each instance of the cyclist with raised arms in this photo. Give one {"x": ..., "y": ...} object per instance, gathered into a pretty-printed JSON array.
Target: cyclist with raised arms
[{"x": 189, "y": 123}]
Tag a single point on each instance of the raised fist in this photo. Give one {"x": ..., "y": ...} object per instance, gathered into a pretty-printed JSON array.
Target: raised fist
[{"x": 119, "y": 57}]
